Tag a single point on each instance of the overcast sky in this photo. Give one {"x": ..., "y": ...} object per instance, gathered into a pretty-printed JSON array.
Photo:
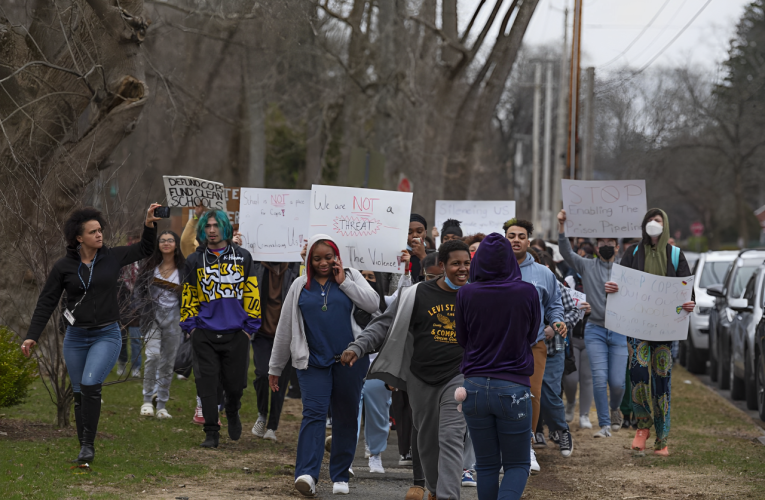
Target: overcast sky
[{"x": 610, "y": 26}]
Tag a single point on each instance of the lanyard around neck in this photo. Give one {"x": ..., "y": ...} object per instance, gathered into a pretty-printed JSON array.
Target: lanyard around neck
[{"x": 90, "y": 278}]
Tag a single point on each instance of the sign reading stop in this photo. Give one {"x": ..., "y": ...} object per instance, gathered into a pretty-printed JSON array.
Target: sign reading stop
[{"x": 697, "y": 228}]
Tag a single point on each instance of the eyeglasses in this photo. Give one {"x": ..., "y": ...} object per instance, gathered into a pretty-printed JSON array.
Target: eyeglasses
[
  {"x": 432, "y": 276},
  {"x": 162, "y": 242}
]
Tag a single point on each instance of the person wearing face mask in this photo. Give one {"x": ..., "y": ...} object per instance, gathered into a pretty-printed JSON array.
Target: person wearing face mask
[
  {"x": 419, "y": 353},
  {"x": 650, "y": 365},
  {"x": 607, "y": 349}
]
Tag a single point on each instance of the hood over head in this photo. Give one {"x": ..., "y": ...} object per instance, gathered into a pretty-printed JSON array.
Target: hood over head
[
  {"x": 312, "y": 241},
  {"x": 494, "y": 261}
]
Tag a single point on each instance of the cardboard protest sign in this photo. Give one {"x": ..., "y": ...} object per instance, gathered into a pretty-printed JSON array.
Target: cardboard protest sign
[
  {"x": 648, "y": 307},
  {"x": 578, "y": 298},
  {"x": 475, "y": 216},
  {"x": 231, "y": 199},
  {"x": 274, "y": 223},
  {"x": 184, "y": 191},
  {"x": 604, "y": 209},
  {"x": 370, "y": 226}
]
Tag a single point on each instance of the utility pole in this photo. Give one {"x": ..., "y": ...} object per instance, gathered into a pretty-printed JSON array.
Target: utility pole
[
  {"x": 560, "y": 133},
  {"x": 535, "y": 144},
  {"x": 575, "y": 76},
  {"x": 588, "y": 153},
  {"x": 546, "y": 220}
]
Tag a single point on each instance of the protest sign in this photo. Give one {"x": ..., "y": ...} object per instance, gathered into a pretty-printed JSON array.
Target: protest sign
[
  {"x": 475, "y": 216},
  {"x": 183, "y": 191},
  {"x": 604, "y": 209},
  {"x": 370, "y": 226},
  {"x": 578, "y": 298},
  {"x": 231, "y": 199},
  {"x": 648, "y": 307},
  {"x": 274, "y": 223}
]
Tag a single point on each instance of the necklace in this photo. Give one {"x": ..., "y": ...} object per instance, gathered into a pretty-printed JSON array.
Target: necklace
[{"x": 325, "y": 294}]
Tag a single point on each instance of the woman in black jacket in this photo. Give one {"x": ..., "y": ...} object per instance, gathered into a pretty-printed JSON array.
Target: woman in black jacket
[
  {"x": 93, "y": 340},
  {"x": 650, "y": 363}
]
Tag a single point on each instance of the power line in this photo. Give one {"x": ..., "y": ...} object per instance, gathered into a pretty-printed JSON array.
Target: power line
[
  {"x": 658, "y": 54},
  {"x": 635, "y": 40}
]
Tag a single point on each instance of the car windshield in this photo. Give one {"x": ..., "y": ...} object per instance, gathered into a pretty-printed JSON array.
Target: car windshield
[
  {"x": 742, "y": 277},
  {"x": 713, "y": 274}
]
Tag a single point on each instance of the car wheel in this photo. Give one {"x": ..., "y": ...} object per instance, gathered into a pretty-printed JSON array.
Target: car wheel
[
  {"x": 682, "y": 353},
  {"x": 751, "y": 384},
  {"x": 758, "y": 377},
  {"x": 693, "y": 360},
  {"x": 737, "y": 387},
  {"x": 723, "y": 367}
]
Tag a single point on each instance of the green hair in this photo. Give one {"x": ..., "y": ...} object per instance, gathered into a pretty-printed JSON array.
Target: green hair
[{"x": 226, "y": 231}]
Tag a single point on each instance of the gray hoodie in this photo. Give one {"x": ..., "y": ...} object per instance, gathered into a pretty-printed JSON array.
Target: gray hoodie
[{"x": 594, "y": 273}]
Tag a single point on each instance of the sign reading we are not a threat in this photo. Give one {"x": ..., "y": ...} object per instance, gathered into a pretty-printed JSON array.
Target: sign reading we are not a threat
[{"x": 604, "y": 209}]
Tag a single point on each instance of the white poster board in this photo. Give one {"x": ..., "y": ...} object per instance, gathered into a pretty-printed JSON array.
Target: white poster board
[
  {"x": 578, "y": 298},
  {"x": 648, "y": 307},
  {"x": 274, "y": 222},
  {"x": 184, "y": 191},
  {"x": 370, "y": 226},
  {"x": 604, "y": 209},
  {"x": 475, "y": 216}
]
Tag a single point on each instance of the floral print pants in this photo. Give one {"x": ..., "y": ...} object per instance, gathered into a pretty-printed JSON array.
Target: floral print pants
[{"x": 650, "y": 368}]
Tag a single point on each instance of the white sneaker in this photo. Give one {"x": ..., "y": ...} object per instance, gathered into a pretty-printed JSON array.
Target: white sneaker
[
  {"x": 350, "y": 472},
  {"x": 340, "y": 488},
  {"x": 328, "y": 425},
  {"x": 535, "y": 468},
  {"x": 147, "y": 410},
  {"x": 163, "y": 414},
  {"x": 181, "y": 377},
  {"x": 367, "y": 453},
  {"x": 570, "y": 412},
  {"x": 584, "y": 422},
  {"x": 604, "y": 432},
  {"x": 375, "y": 464},
  {"x": 136, "y": 373},
  {"x": 259, "y": 429},
  {"x": 616, "y": 420},
  {"x": 306, "y": 485},
  {"x": 120, "y": 370},
  {"x": 270, "y": 434}
]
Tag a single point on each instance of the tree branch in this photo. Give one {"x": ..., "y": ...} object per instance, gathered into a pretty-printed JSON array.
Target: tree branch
[
  {"x": 438, "y": 31},
  {"x": 199, "y": 12}
]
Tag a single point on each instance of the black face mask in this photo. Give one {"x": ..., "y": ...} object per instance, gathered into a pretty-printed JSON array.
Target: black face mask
[{"x": 606, "y": 252}]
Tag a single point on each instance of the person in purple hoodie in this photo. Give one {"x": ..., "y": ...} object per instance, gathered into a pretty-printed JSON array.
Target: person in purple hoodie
[{"x": 497, "y": 319}]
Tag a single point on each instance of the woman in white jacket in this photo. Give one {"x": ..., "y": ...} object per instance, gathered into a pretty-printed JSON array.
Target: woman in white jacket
[{"x": 315, "y": 327}]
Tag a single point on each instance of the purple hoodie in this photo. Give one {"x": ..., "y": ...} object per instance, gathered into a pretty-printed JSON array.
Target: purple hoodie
[{"x": 497, "y": 315}]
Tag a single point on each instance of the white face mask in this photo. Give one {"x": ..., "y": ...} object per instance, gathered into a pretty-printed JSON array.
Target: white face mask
[{"x": 654, "y": 229}]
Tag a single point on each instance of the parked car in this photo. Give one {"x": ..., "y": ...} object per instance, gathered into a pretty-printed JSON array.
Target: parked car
[
  {"x": 692, "y": 258},
  {"x": 721, "y": 316},
  {"x": 744, "y": 353},
  {"x": 710, "y": 270}
]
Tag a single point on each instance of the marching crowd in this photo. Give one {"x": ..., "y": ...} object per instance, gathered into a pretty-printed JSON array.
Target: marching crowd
[{"x": 470, "y": 352}]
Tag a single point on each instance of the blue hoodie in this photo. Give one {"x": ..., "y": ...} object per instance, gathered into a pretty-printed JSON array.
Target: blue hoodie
[
  {"x": 497, "y": 317},
  {"x": 547, "y": 287}
]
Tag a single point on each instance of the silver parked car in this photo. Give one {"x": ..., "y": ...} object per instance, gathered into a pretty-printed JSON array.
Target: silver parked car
[
  {"x": 711, "y": 268},
  {"x": 744, "y": 352}
]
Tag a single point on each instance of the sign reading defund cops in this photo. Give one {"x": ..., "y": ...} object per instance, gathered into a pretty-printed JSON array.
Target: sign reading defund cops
[
  {"x": 604, "y": 209},
  {"x": 475, "y": 216},
  {"x": 183, "y": 191},
  {"x": 648, "y": 307},
  {"x": 274, "y": 223},
  {"x": 370, "y": 226}
]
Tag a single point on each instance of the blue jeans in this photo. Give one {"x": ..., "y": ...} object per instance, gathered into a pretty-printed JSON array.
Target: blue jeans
[
  {"x": 339, "y": 387},
  {"x": 498, "y": 416},
  {"x": 608, "y": 360},
  {"x": 91, "y": 354},
  {"x": 551, "y": 405},
  {"x": 376, "y": 425},
  {"x": 135, "y": 341}
]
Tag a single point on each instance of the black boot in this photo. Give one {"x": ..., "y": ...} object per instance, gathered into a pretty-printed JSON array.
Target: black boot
[
  {"x": 78, "y": 415},
  {"x": 90, "y": 413},
  {"x": 234, "y": 425},
  {"x": 211, "y": 439}
]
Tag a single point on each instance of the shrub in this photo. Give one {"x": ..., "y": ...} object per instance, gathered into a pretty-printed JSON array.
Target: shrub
[{"x": 16, "y": 370}]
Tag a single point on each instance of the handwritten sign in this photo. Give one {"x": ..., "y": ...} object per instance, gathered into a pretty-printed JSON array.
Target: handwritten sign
[
  {"x": 604, "y": 209},
  {"x": 369, "y": 225},
  {"x": 274, "y": 223},
  {"x": 475, "y": 216},
  {"x": 231, "y": 198},
  {"x": 183, "y": 191},
  {"x": 648, "y": 307},
  {"x": 578, "y": 298}
]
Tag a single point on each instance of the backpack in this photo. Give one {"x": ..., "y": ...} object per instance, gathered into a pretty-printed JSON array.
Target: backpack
[{"x": 675, "y": 255}]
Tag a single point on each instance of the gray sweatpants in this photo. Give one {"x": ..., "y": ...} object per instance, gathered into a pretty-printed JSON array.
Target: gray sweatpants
[
  {"x": 162, "y": 341},
  {"x": 582, "y": 376},
  {"x": 440, "y": 434}
]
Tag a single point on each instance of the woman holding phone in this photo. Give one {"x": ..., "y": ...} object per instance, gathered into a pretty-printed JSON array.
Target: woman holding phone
[
  {"x": 316, "y": 324},
  {"x": 88, "y": 273}
]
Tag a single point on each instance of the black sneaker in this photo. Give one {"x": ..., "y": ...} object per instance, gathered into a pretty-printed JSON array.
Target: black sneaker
[
  {"x": 555, "y": 437},
  {"x": 566, "y": 443},
  {"x": 539, "y": 440}
]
